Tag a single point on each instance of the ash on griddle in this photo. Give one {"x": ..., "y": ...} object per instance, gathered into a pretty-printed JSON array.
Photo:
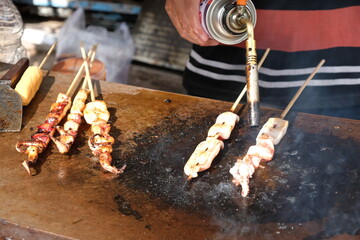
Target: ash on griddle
[
  {"x": 125, "y": 208},
  {"x": 312, "y": 177},
  {"x": 156, "y": 165}
]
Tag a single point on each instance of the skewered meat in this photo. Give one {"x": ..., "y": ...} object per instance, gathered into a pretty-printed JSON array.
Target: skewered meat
[
  {"x": 39, "y": 140},
  {"x": 220, "y": 131},
  {"x": 261, "y": 152},
  {"x": 242, "y": 171},
  {"x": 96, "y": 110},
  {"x": 223, "y": 126},
  {"x": 65, "y": 140},
  {"x": 275, "y": 128},
  {"x": 202, "y": 157},
  {"x": 69, "y": 131},
  {"x": 100, "y": 126},
  {"x": 207, "y": 150},
  {"x": 228, "y": 118},
  {"x": 270, "y": 134},
  {"x": 96, "y": 114},
  {"x": 98, "y": 140}
]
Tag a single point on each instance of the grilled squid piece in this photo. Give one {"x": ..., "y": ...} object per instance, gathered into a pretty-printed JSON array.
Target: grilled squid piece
[
  {"x": 220, "y": 131},
  {"x": 203, "y": 156},
  {"x": 223, "y": 126},
  {"x": 261, "y": 152},
  {"x": 105, "y": 160},
  {"x": 244, "y": 168},
  {"x": 40, "y": 139},
  {"x": 96, "y": 110},
  {"x": 242, "y": 171},
  {"x": 23, "y": 146},
  {"x": 100, "y": 126},
  {"x": 270, "y": 134},
  {"x": 99, "y": 140},
  {"x": 207, "y": 150},
  {"x": 69, "y": 132},
  {"x": 100, "y": 143},
  {"x": 228, "y": 118},
  {"x": 32, "y": 148},
  {"x": 275, "y": 128},
  {"x": 65, "y": 140}
]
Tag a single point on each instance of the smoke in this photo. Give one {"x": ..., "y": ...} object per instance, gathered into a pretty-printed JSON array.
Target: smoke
[{"x": 313, "y": 178}]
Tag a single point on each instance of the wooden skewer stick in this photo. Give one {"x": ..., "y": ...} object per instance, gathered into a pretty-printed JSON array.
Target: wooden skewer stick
[
  {"x": 92, "y": 57},
  {"x": 77, "y": 77},
  {"x": 291, "y": 103},
  {"x": 47, "y": 55},
  {"x": 262, "y": 60},
  {"x": 244, "y": 89},
  {"x": 85, "y": 82},
  {"x": 88, "y": 77}
]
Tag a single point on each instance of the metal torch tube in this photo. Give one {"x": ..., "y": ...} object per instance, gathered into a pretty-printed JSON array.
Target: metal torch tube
[{"x": 252, "y": 78}]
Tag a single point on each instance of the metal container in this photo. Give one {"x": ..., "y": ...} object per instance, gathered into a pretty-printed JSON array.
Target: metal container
[{"x": 221, "y": 19}]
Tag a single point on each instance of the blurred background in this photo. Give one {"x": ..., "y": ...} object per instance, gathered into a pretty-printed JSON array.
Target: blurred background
[{"x": 159, "y": 54}]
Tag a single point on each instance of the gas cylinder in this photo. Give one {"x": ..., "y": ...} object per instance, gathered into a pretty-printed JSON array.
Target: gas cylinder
[{"x": 222, "y": 20}]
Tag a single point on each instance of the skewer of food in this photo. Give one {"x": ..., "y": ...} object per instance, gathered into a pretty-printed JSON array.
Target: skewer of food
[
  {"x": 97, "y": 115},
  {"x": 41, "y": 138},
  {"x": 270, "y": 135},
  {"x": 31, "y": 80},
  {"x": 206, "y": 151},
  {"x": 69, "y": 131}
]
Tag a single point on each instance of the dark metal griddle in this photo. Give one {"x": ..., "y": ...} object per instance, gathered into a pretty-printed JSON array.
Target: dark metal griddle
[{"x": 309, "y": 191}]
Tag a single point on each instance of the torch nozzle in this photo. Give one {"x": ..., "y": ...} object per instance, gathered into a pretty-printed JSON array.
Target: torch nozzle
[
  {"x": 252, "y": 78},
  {"x": 241, "y": 2}
]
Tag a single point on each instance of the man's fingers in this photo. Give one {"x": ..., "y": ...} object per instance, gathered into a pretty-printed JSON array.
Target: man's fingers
[{"x": 185, "y": 18}]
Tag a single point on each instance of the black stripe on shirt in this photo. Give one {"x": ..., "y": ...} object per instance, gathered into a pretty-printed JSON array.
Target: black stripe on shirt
[
  {"x": 340, "y": 56},
  {"x": 312, "y": 97},
  {"x": 295, "y": 61}
]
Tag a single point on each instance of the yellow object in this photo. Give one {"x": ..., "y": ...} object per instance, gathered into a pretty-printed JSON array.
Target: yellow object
[
  {"x": 96, "y": 110},
  {"x": 29, "y": 84}
]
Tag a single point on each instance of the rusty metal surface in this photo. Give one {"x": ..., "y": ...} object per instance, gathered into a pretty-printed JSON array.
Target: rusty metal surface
[
  {"x": 14, "y": 231},
  {"x": 10, "y": 101},
  {"x": 308, "y": 191}
]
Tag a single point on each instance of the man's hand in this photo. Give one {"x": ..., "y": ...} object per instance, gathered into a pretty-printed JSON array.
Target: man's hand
[{"x": 184, "y": 14}]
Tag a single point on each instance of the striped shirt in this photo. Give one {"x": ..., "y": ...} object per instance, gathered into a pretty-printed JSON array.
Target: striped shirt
[{"x": 299, "y": 37}]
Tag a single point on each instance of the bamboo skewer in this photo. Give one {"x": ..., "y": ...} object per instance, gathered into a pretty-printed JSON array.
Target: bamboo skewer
[
  {"x": 296, "y": 96},
  {"x": 87, "y": 77},
  {"x": 262, "y": 60},
  {"x": 77, "y": 77},
  {"x": 47, "y": 55},
  {"x": 244, "y": 89},
  {"x": 92, "y": 57}
]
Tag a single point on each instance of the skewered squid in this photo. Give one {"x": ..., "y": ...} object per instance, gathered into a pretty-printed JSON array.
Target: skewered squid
[
  {"x": 207, "y": 150},
  {"x": 97, "y": 114}
]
